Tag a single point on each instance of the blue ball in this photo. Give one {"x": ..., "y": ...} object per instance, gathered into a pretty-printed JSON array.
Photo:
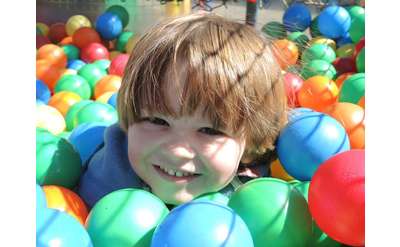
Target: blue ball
[
  {"x": 42, "y": 91},
  {"x": 109, "y": 26},
  {"x": 40, "y": 198},
  {"x": 307, "y": 141},
  {"x": 202, "y": 223},
  {"x": 345, "y": 39},
  {"x": 56, "y": 228},
  {"x": 75, "y": 64},
  {"x": 113, "y": 100},
  {"x": 86, "y": 138},
  {"x": 334, "y": 22},
  {"x": 297, "y": 17}
]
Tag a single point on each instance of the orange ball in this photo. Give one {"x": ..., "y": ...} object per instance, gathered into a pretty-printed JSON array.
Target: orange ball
[
  {"x": 339, "y": 81},
  {"x": 54, "y": 54},
  {"x": 286, "y": 52},
  {"x": 351, "y": 116},
  {"x": 65, "y": 200},
  {"x": 48, "y": 73},
  {"x": 84, "y": 36},
  {"x": 57, "y": 32},
  {"x": 63, "y": 100},
  {"x": 277, "y": 171},
  {"x": 318, "y": 92},
  {"x": 361, "y": 102},
  {"x": 109, "y": 83},
  {"x": 66, "y": 41}
]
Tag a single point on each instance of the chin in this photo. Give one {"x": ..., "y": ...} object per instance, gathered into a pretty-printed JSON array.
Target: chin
[{"x": 174, "y": 200}]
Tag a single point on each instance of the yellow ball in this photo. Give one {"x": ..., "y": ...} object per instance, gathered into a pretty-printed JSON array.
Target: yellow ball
[
  {"x": 105, "y": 97},
  {"x": 44, "y": 29},
  {"x": 113, "y": 54},
  {"x": 131, "y": 43},
  {"x": 75, "y": 22},
  {"x": 49, "y": 118},
  {"x": 70, "y": 72},
  {"x": 323, "y": 40},
  {"x": 277, "y": 171},
  {"x": 63, "y": 100}
]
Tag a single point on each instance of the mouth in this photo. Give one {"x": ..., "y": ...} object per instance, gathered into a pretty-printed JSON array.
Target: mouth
[{"x": 175, "y": 175}]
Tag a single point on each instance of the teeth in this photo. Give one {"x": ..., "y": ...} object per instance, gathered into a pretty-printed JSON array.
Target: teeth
[
  {"x": 178, "y": 174},
  {"x": 172, "y": 172}
]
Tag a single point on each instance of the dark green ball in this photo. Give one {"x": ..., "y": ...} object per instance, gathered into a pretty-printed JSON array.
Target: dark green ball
[
  {"x": 300, "y": 39},
  {"x": 71, "y": 51},
  {"x": 318, "y": 67},
  {"x": 121, "y": 13},
  {"x": 275, "y": 29},
  {"x": 122, "y": 40},
  {"x": 318, "y": 51},
  {"x": 353, "y": 88}
]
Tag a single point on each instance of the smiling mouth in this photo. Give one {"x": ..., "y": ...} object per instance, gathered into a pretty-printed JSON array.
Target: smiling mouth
[{"x": 175, "y": 175}]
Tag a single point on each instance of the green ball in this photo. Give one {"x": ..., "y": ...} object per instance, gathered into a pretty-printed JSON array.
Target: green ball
[
  {"x": 300, "y": 39},
  {"x": 126, "y": 217},
  {"x": 103, "y": 64},
  {"x": 314, "y": 30},
  {"x": 122, "y": 40},
  {"x": 121, "y": 13},
  {"x": 353, "y": 88},
  {"x": 357, "y": 28},
  {"x": 355, "y": 11},
  {"x": 346, "y": 50},
  {"x": 72, "y": 111},
  {"x": 319, "y": 51},
  {"x": 92, "y": 73},
  {"x": 74, "y": 83},
  {"x": 360, "y": 61},
  {"x": 213, "y": 196},
  {"x": 318, "y": 67},
  {"x": 96, "y": 112},
  {"x": 274, "y": 211},
  {"x": 319, "y": 238},
  {"x": 71, "y": 51},
  {"x": 57, "y": 162},
  {"x": 275, "y": 29}
]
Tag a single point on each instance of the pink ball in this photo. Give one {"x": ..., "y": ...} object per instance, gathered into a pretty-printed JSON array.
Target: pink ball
[
  {"x": 118, "y": 65},
  {"x": 293, "y": 84},
  {"x": 93, "y": 52}
]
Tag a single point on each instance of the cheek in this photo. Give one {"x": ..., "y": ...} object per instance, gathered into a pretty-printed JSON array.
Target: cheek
[{"x": 139, "y": 143}]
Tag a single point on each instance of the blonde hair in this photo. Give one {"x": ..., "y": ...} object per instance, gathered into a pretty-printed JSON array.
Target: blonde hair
[{"x": 226, "y": 67}]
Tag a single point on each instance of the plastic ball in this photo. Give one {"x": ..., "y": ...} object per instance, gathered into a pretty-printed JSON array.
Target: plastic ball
[
  {"x": 337, "y": 191},
  {"x": 118, "y": 64},
  {"x": 57, "y": 163},
  {"x": 353, "y": 88},
  {"x": 96, "y": 112},
  {"x": 49, "y": 118},
  {"x": 357, "y": 28},
  {"x": 41, "y": 41},
  {"x": 318, "y": 67},
  {"x": 113, "y": 100},
  {"x": 323, "y": 40},
  {"x": 75, "y": 22},
  {"x": 86, "y": 138},
  {"x": 334, "y": 22},
  {"x": 71, "y": 51},
  {"x": 121, "y": 12},
  {"x": 72, "y": 111},
  {"x": 42, "y": 91},
  {"x": 345, "y": 50},
  {"x": 85, "y": 36},
  {"x": 75, "y": 64},
  {"x": 48, "y": 73},
  {"x": 103, "y": 63},
  {"x": 54, "y": 54},
  {"x": 360, "y": 61},
  {"x": 40, "y": 198},
  {"x": 104, "y": 97},
  {"x": 186, "y": 225},
  {"x": 277, "y": 215},
  {"x": 318, "y": 51},
  {"x": 93, "y": 52},
  {"x": 74, "y": 83},
  {"x": 359, "y": 46},
  {"x": 344, "y": 40},
  {"x": 63, "y": 199},
  {"x": 57, "y": 32},
  {"x": 297, "y": 17},
  {"x": 214, "y": 197},
  {"x": 131, "y": 43},
  {"x": 344, "y": 65},
  {"x": 300, "y": 39},
  {"x": 92, "y": 73},
  {"x": 293, "y": 84},
  {"x": 275, "y": 29},
  {"x": 44, "y": 29},
  {"x": 56, "y": 228},
  {"x": 340, "y": 79},
  {"x": 125, "y": 217},
  {"x": 355, "y": 11},
  {"x": 277, "y": 171},
  {"x": 286, "y": 52},
  {"x": 109, "y": 83},
  {"x": 69, "y": 72},
  {"x": 63, "y": 100},
  {"x": 109, "y": 25},
  {"x": 314, "y": 31},
  {"x": 307, "y": 141},
  {"x": 317, "y": 93},
  {"x": 66, "y": 41},
  {"x": 361, "y": 102}
]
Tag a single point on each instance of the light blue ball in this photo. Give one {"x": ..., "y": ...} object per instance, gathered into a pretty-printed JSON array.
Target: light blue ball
[
  {"x": 297, "y": 17},
  {"x": 334, "y": 22},
  {"x": 109, "y": 26},
  {"x": 113, "y": 100},
  {"x": 75, "y": 64},
  {"x": 86, "y": 138},
  {"x": 42, "y": 91},
  {"x": 307, "y": 141},
  {"x": 56, "y": 228},
  {"x": 202, "y": 223},
  {"x": 40, "y": 198}
]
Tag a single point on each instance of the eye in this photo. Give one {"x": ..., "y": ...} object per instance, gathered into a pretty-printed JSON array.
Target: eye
[
  {"x": 210, "y": 131},
  {"x": 156, "y": 121}
]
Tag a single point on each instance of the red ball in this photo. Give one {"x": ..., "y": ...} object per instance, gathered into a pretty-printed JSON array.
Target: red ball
[
  {"x": 85, "y": 36},
  {"x": 336, "y": 197},
  {"x": 41, "y": 41},
  {"x": 57, "y": 32},
  {"x": 345, "y": 65},
  {"x": 293, "y": 84},
  {"x": 93, "y": 52},
  {"x": 359, "y": 46},
  {"x": 118, "y": 65}
]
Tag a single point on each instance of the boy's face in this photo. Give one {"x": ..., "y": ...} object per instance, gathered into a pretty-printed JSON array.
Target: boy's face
[{"x": 182, "y": 158}]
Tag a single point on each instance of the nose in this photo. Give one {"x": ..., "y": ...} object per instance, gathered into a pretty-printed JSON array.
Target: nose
[{"x": 178, "y": 149}]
